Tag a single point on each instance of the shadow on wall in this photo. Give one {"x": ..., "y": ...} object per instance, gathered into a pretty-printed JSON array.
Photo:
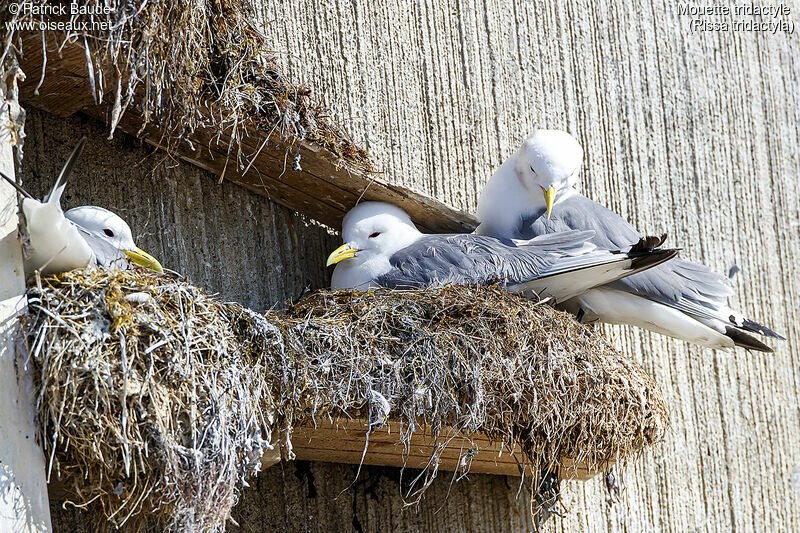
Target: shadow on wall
[
  {"x": 311, "y": 496},
  {"x": 221, "y": 236}
]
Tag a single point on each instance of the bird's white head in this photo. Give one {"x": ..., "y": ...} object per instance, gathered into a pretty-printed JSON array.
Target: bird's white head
[
  {"x": 372, "y": 233},
  {"x": 110, "y": 238},
  {"x": 547, "y": 164}
]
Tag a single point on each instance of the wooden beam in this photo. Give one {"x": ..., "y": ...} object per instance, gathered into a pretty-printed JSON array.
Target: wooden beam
[
  {"x": 24, "y": 506},
  {"x": 344, "y": 440},
  {"x": 321, "y": 190}
]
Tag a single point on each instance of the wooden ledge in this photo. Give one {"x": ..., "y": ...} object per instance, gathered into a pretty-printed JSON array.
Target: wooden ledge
[
  {"x": 343, "y": 442},
  {"x": 321, "y": 190}
]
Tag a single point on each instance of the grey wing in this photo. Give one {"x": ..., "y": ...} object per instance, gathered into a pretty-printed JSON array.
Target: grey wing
[
  {"x": 465, "y": 259},
  {"x": 426, "y": 262},
  {"x": 683, "y": 285},
  {"x": 611, "y": 231}
]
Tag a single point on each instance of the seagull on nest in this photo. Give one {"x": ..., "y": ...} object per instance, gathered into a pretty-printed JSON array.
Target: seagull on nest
[
  {"x": 383, "y": 248},
  {"x": 83, "y": 236},
  {"x": 533, "y": 194}
]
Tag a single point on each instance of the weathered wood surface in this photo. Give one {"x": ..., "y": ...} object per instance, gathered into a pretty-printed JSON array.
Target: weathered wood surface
[
  {"x": 693, "y": 133},
  {"x": 343, "y": 442},
  {"x": 261, "y": 254},
  {"x": 23, "y": 490},
  {"x": 320, "y": 189}
]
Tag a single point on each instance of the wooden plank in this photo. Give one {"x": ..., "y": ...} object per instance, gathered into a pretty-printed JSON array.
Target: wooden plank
[
  {"x": 23, "y": 493},
  {"x": 343, "y": 442},
  {"x": 321, "y": 190},
  {"x": 67, "y": 89}
]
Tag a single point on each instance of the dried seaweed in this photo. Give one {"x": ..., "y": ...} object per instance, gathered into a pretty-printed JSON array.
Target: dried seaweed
[
  {"x": 189, "y": 66},
  {"x": 146, "y": 400},
  {"x": 156, "y": 399}
]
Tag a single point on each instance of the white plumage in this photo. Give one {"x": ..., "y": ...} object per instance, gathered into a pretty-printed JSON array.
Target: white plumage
[
  {"x": 533, "y": 193},
  {"x": 82, "y": 236},
  {"x": 383, "y": 248}
]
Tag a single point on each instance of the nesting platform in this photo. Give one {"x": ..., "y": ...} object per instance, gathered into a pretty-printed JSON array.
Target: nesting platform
[
  {"x": 153, "y": 395},
  {"x": 344, "y": 441}
]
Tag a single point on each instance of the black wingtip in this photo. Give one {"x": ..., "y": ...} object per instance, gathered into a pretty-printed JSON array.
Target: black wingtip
[
  {"x": 643, "y": 260},
  {"x": 16, "y": 185},
  {"x": 648, "y": 243},
  {"x": 66, "y": 170},
  {"x": 755, "y": 327},
  {"x": 748, "y": 342},
  {"x": 73, "y": 157}
]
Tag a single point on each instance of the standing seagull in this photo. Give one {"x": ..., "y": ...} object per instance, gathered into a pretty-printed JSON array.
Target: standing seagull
[
  {"x": 82, "y": 236},
  {"x": 383, "y": 248},
  {"x": 533, "y": 194}
]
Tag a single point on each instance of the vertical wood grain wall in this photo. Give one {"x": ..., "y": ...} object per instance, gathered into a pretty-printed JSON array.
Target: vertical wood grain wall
[
  {"x": 693, "y": 133},
  {"x": 697, "y": 134}
]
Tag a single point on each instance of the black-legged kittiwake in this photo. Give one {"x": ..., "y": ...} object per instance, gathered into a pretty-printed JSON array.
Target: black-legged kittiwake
[
  {"x": 533, "y": 194},
  {"x": 383, "y": 248},
  {"x": 83, "y": 236}
]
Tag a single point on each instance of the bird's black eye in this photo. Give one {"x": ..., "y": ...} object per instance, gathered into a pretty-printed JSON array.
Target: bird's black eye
[
  {"x": 374, "y": 234},
  {"x": 533, "y": 170},
  {"x": 108, "y": 232}
]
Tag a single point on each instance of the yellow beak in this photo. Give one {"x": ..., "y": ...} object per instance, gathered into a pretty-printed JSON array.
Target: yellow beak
[
  {"x": 340, "y": 254},
  {"x": 549, "y": 198},
  {"x": 142, "y": 258}
]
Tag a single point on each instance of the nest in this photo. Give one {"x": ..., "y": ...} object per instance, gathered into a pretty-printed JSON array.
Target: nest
[
  {"x": 213, "y": 69},
  {"x": 147, "y": 401},
  {"x": 156, "y": 400}
]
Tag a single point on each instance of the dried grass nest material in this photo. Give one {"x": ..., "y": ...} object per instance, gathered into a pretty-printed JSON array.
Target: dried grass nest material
[
  {"x": 190, "y": 65},
  {"x": 156, "y": 399}
]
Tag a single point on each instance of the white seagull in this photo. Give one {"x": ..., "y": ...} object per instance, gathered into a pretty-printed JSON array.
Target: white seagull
[
  {"x": 83, "y": 236},
  {"x": 533, "y": 193},
  {"x": 383, "y": 248}
]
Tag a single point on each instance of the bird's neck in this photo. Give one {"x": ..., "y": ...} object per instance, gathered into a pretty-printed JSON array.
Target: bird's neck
[
  {"x": 505, "y": 200},
  {"x": 359, "y": 276},
  {"x": 502, "y": 193}
]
